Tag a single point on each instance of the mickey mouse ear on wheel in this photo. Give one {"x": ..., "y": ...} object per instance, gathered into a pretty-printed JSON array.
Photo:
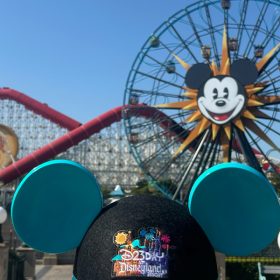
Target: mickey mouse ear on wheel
[
  {"x": 237, "y": 208},
  {"x": 54, "y": 205}
]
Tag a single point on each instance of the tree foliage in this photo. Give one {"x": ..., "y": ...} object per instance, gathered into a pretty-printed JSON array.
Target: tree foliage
[{"x": 145, "y": 187}]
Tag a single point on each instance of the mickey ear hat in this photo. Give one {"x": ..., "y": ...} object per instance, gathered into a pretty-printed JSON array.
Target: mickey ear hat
[
  {"x": 58, "y": 207},
  {"x": 145, "y": 237}
]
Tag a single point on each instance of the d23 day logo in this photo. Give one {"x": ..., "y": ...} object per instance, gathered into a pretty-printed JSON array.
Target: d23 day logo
[{"x": 146, "y": 255}]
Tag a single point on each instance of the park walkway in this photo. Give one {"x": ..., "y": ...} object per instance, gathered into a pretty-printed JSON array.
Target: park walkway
[{"x": 54, "y": 272}]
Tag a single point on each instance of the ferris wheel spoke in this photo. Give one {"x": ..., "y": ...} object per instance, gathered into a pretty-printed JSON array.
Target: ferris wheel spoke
[
  {"x": 171, "y": 52},
  {"x": 247, "y": 150},
  {"x": 268, "y": 72},
  {"x": 241, "y": 26},
  {"x": 256, "y": 129},
  {"x": 264, "y": 21},
  {"x": 222, "y": 11},
  {"x": 182, "y": 41},
  {"x": 270, "y": 91},
  {"x": 201, "y": 166},
  {"x": 269, "y": 100},
  {"x": 205, "y": 164},
  {"x": 261, "y": 115},
  {"x": 167, "y": 48},
  {"x": 226, "y": 16},
  {"x": 159, "y": 80},
  {"x": 267, "y": 59},
  {"x": 216, "y": 152},
  {"x": 272, "y": 130},
  {"x": 165, "y": 168},
  {"x": 184, "y": 162},
  {"x": 194, "y": 30},
  {"x": 147, "y": 161},
  {"x": 268, "y": 86},
  {"x": 146, "y": 125},
  {"x": 271, "y": 109},
  {"x": 261, "y": 151},
  {"x": 166, "y": 122},
  {"x": 256, "y": 28},
  {"x": 202, "y": 162},
  {"x": 271, "y": 33},
  {"x": 178, "y": 138},
  {"x": 191, "y": 164},
  {"x": 141, "y": 92},
  {"x": 275, "y": 80},
  {"x": 164, "y": 66},
  {"x": 141, "y": 78},
  {"x": 213, "y": 40}
]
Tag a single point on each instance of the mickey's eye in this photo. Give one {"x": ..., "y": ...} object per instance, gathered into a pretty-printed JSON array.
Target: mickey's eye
[
  {"x": 226, "y": 92},
  {"x": 212, "y": 88},
  {"x": 215, "y": 93}
]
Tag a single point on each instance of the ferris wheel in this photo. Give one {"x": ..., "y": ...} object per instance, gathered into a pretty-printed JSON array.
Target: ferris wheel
[{"x": 209, "y": 76}]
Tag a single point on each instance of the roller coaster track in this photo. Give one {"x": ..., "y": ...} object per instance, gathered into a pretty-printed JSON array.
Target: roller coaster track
[{"x": 77, "y": 132}]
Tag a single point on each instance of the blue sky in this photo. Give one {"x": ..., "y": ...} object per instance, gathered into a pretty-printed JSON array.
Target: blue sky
[{"x": 75, "y": 55}]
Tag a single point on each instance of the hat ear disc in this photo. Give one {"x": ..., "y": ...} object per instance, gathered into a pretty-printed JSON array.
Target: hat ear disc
[
  {"x": 237, "y": 207},
  {"x": 54, "y": 205}
]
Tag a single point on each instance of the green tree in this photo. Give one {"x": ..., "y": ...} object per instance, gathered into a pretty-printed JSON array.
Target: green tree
[
  {"x": 145, "y": 187},
  {"x": 105, "y": 192}
]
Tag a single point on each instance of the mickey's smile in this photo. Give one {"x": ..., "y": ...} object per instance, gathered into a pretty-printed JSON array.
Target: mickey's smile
[{"x": 220, "y": 117}]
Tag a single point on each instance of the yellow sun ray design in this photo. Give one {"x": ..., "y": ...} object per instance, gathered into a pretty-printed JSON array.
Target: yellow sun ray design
[
  {"x": 239, "y": 124},
  {"x": 225, "y": 63},
  {"x": 215, "y": 130},
  {"x": 202, "y": 126},
  {"x": 121, "y": 238},
  {"x": 183, "y": 63},
  {"x": 227, "y": 130},
  {"x": 190, "y": 94},
  {"x": 214, "y": 68},
  {"x": 247, "y": 114},
  {"x": 254, "y": 101},
  {"x": 261, "y": 65},
  {"x": 194, "y": 117},
  {"x": 253, "y": 89},
  {"x": 175, "y": 105}
]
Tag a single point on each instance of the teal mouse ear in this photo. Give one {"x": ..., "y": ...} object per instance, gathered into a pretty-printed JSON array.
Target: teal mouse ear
[
  {"x": 54, "y": 205},
  {"x": 237, "y": 208}
]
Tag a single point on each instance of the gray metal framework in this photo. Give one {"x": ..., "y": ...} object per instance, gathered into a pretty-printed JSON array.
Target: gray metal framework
[{"x": 106, "y": 154}]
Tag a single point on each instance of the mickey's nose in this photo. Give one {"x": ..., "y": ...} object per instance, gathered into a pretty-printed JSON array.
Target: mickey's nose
[{"x": 220, "y": 103}]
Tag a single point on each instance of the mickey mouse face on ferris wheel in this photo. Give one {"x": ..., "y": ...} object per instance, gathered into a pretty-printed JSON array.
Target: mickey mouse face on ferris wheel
[{"x": 221, "y": 98}]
